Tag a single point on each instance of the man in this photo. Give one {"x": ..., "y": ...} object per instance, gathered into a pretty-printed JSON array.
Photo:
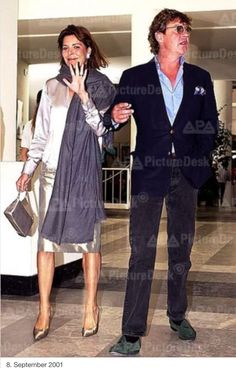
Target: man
[{"x": 174, "y": 108}]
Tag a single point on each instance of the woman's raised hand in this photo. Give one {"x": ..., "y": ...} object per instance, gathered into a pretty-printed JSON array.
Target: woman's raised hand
[{"x": 77, "y": 84}]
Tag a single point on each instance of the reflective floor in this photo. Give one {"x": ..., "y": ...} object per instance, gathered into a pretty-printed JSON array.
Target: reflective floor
[{"x": 211, "y": 293}]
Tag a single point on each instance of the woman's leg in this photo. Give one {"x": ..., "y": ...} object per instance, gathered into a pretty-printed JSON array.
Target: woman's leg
[
  {"x": 46, "y": 266},
  {"x": 91, "y": 266}
]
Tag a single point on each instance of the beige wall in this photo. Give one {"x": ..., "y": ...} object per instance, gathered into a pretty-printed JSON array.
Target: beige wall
[
  {"x": 34, "y": 9},
  {"x": 234, "y": 113},
  {"x": 23, "y": 88},
  {"x": 8, "y": 77}
]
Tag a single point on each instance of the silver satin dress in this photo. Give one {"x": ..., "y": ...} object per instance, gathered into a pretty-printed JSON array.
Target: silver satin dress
[{"x": 45, "y": 190}]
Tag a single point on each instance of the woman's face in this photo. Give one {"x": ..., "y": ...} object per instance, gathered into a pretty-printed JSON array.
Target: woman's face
[{"x": 73, "y": 51}]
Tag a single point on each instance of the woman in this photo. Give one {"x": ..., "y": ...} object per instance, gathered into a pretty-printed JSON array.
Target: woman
[
  {"x": 69, "y": 122},
  {"x": 28, "y": 131}
]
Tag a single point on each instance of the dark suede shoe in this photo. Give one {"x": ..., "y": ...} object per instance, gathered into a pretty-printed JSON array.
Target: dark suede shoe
[
  {"x": 125, "y": 348},
  {"x": 185, "y": 330}
]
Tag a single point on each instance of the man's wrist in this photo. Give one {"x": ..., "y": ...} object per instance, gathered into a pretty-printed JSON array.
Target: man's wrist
[{"x": 107, "y": 121}]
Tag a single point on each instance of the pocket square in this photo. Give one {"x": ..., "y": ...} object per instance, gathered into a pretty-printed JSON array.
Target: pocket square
[{"x": 199, "y": 90}]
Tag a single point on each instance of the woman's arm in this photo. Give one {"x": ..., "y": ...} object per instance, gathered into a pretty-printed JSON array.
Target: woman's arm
[
  {"x": 94, "y": 118},
  {"x": 23, "y": 154},
  {"x": 26, "y": 140},
  {"x": 96, "y": 106}
]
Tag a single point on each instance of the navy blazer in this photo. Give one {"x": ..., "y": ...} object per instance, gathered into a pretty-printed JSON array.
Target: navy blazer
[{"x": 193, "y": 131}]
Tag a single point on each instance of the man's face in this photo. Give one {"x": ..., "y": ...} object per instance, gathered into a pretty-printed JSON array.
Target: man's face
[{"x": 176, "y": 38}]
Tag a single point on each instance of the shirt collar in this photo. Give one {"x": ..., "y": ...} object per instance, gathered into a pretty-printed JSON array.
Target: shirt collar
[{"x": 181, "y": 61}]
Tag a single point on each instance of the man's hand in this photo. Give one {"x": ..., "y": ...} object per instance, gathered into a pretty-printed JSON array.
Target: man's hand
[{"x": 121, "y": 112}]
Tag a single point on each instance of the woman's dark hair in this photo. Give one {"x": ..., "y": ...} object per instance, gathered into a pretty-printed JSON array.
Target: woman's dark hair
[
  {"x": 38, "y": 98},
  {"x": 97, "y": 59},
  {"x": 159, "y": 25}
]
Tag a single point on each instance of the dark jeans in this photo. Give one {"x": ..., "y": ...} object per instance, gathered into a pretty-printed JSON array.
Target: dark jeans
[{"x": 144, "y": 225}]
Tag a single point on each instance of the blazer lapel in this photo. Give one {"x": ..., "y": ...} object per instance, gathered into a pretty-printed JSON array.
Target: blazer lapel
[{"x": 154, "y": 80}]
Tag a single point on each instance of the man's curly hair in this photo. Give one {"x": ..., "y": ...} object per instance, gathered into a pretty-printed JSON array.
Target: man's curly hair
[{"x": 159, "y": 25}]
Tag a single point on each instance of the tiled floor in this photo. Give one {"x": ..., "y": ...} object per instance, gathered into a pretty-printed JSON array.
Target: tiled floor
[{"x": 211, "y": 292}]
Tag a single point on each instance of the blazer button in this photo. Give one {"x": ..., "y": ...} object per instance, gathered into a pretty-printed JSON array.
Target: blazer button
[{"x": 172, "y": 131}]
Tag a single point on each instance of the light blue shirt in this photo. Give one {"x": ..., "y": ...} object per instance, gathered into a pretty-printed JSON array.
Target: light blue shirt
[{"x": 172, "y": 94}]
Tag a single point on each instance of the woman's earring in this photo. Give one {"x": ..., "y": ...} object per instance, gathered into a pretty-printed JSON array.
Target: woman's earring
[{"x": 88, "y": 55}]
